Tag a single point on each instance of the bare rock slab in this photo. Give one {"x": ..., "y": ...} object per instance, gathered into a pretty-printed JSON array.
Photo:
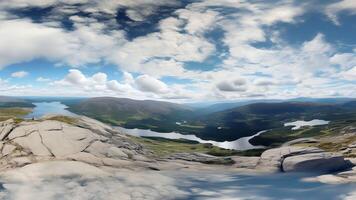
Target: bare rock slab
[{"x": 291, "y": 159}]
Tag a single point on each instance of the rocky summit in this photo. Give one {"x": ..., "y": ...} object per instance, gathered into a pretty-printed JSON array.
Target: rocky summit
[
  {"x": 83, "y": 141},
  {"x": 87, "y": 141}
]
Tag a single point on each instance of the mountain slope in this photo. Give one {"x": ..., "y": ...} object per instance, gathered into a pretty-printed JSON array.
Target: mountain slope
[
  {"x": 227, "y": 125},
  {"x": 249, "y": 119},
  {"x": 6, "y": 102},
  {"x": 132, "y": 113}
]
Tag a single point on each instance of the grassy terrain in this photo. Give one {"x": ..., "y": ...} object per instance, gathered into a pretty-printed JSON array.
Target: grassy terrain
[
  {"x": 65, "y": 119},
  {"x": 8, "y": 113},
  {"x": 163, "y": 147},
  {"x": 278, "y": 136},
  {"x": 336, "y": 144},
  {"x": 227, "y": 125}
]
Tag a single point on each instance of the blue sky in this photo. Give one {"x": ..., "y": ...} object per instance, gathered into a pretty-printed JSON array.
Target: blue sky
[{"x": 202, "y": 50}]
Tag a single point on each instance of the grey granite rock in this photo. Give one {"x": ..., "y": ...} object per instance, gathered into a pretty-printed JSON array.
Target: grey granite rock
[
  {"x": 5, "y": 128},
  {"x": 86, "y": 140},
  {"x": 202, "y": 158},
  {"x": 291, "y": 158},
  {"x": 320, "y": 162}
]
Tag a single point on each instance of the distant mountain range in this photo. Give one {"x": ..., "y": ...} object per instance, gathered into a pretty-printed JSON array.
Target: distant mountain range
[
  {"x": 131, "y": 113},
  {"x": 243, "y": 119},
  {"x": 219, "y": 122},
  {"x": 6, "y": 102},
  {"x": 216, "y": 107}
]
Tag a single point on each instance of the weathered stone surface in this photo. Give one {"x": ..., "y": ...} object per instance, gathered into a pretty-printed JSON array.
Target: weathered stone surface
[
  {"x": 114, "y": 152},
  {"x": 116, "y": 162},
  {"x": 99, "y": 149},
  {"x": 293, "y": 158},
  {"x": 85, "y": 157},
  {"x": 6, "y": 127},
  {"x": 321, "y": 162},
  {"x": 20, "y": 161},
  {"x": 245, "y": 162},
  {"x": 202, "y": 158},
  {"x": 33, "y": 143},
  {"x": 7, "y": 149},
  {"x": 87, "y": 141},
  {"x": 63, "y": 142},
  {"x": 94, "y": 125}
]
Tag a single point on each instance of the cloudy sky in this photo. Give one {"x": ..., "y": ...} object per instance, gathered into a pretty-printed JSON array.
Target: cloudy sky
[{"x": 186, "y": 50}]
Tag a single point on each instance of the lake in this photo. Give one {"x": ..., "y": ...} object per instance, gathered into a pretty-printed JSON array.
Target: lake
[
  {"x": 48, "y": 108},
  {"x": 57, "y": 108},
  {"x": 300, "y": 123},
  {"x": 239, "y": 144}
]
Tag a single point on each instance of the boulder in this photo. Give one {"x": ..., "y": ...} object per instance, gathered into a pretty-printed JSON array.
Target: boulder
[
  {"x": 320, "y": 162},
  {"x": 271, "y": 160},
  {"x": 292, "y": 158}
]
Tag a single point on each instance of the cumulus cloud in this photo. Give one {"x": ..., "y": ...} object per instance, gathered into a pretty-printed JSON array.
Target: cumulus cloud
[
  {"x": 201, "y": 32},
  {"x": 140, "y": 87},
  {"x": 237, "y": 85},
  {"x": 147, "y": 83},
  {"x": 349, "y": 74},
  {"x": 19, "y": 74},
  {"x": 334, "y": 9},
  {"x": 86, "y": 44}
]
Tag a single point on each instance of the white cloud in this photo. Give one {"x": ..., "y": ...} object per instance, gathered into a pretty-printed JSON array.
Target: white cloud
[
  {"x": 85, "y": 44},
  {"x": 41, "y": 79},
  {"x": 147, "y": 83},
  {"x": 237, "y": 85},
  {"x": 349, "y": 74},
  {"x": 141, "y": 87},
  {"x": 276, "y": 69},
  {"x": 19, "y": 74},
  {"x": 334, "y": 9}
]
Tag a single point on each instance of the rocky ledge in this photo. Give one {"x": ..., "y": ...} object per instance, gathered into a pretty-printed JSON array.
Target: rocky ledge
[
  {"x": 302, "y": 159},
  {"x": 87, "y": 141},
  {"x": 96, "y": 144}
]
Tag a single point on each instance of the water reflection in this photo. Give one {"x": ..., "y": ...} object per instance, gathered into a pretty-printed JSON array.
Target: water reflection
[
  {"x": 239, "y": 144},
  {"x": 300, "y": 123},
  {"x": 47, "y": 108}
]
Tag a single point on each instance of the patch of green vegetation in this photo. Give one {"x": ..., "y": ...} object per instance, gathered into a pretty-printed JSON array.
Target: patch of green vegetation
[
  {"x": 65, "y": 119},
  {"x": 15, "y": 113},
  {"x": 330, "y": 146},
  {"x": 251, "y": 152},
  {"x": 192, "y": 126},
  {"x": 16, "y": 105},
  {"x": 278, "y": 136}
]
